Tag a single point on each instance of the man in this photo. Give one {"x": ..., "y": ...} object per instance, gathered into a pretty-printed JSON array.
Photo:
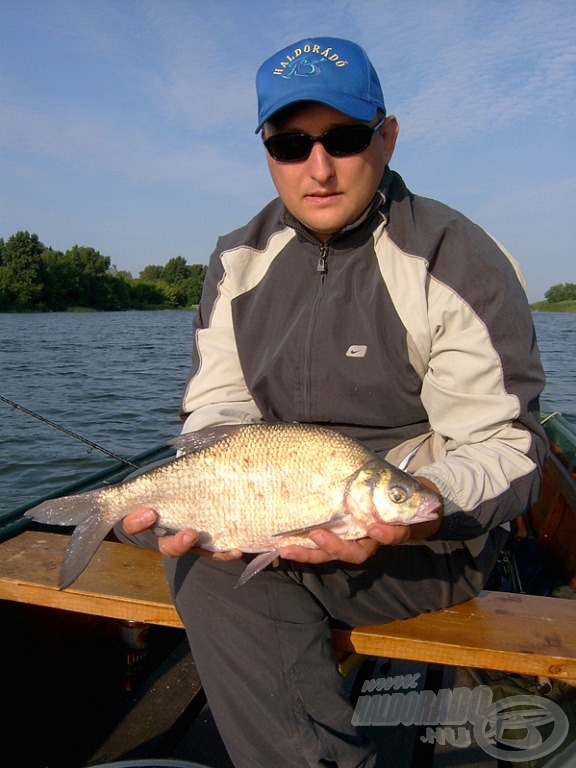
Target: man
[{"x": 351, "y": 302}]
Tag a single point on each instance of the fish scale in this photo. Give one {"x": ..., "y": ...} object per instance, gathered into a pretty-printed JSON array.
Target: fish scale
[
  {"x": 249, "y": 487},
  {"x": 276, "y": 482}
]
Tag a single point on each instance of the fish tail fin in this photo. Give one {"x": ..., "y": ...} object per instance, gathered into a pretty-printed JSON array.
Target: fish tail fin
[
  {"x": 84, "y": 542},
  {"x": 85, "y": 511},
  {"x": 66, "y": 510}
]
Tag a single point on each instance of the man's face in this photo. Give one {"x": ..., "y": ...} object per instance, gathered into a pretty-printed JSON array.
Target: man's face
[{"x": 324, "y": 192}]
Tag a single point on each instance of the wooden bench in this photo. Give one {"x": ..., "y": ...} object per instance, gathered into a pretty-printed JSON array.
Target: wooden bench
[{"x": 497, "y": 630}]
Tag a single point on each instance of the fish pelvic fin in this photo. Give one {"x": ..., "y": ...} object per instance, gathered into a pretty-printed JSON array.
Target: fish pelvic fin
[{"x": 255, "y": 566}]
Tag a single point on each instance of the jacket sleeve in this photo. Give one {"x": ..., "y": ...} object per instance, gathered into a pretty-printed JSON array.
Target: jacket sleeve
[
  {"x": 216, "y": 392},
  {"x": 481, "y": 391}
]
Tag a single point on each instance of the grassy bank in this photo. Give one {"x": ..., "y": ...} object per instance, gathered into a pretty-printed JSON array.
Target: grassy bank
[{"x": 557, "y": 306}]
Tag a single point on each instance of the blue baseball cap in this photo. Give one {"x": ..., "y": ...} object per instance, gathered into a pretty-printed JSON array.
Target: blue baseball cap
[{"x": 328, "y": 70}]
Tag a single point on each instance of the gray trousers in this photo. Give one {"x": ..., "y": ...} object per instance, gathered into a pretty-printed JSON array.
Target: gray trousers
[{"x": 264, "y": 650}]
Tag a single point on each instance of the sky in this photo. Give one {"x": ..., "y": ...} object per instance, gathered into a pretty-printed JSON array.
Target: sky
[{"x": 128, "y": 125}]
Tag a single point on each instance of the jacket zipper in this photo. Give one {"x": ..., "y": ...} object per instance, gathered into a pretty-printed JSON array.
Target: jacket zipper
[
  {"x": 322, "y": 269},
  {"x": 322, "y": 266}
]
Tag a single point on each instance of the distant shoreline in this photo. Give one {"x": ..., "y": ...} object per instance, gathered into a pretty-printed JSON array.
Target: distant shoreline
[
  {"x": 91, "y": 310},
  {"x": 539, "y": 306},
  {"x": 557, "y": 306}
]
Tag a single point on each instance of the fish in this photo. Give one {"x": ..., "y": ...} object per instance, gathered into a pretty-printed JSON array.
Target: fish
[{"x": 251, "y": 487}]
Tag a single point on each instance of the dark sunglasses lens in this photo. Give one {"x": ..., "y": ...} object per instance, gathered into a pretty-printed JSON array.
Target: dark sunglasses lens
[
  {"x": 289, "y": 147},
  {"x": 347, "y": 140},
  {"x": 339, "y": 142}
]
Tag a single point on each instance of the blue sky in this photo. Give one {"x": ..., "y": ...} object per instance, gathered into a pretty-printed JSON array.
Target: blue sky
[{"x": 128, "y": 125}]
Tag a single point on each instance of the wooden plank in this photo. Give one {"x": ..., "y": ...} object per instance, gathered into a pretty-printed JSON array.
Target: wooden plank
[
  {"x": 498, "y": 630},
  {"x": 121, "y": 582},
  {"x": 527, "y": 634}
]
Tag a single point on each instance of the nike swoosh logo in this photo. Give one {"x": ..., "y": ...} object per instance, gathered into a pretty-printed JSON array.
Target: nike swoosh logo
[{"x": 356, "y": 350}]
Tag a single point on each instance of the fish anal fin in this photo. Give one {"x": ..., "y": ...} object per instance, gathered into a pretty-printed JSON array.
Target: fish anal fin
[{"x": 255, "y": 566}]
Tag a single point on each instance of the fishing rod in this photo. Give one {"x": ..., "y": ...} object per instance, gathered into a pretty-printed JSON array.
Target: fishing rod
[{"x": 84, "y": 440}]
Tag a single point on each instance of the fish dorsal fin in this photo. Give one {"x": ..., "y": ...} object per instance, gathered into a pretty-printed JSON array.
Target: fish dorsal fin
[{"x": 191, "y": 442}]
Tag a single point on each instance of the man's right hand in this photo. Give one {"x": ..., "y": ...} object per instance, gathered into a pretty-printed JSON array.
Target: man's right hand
[{"x": 172, "y": 545}]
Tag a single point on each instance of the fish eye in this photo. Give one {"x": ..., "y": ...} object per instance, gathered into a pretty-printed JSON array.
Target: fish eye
[{"x": 397, "y": 494}]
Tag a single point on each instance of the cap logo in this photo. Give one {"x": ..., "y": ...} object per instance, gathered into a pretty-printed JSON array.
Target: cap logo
[
  {"x": 302, "y": 67},
  {"x": 301, "y": 64}
]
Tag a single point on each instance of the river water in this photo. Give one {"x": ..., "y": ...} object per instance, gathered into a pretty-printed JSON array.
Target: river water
[{"x": 117, "y": 378}]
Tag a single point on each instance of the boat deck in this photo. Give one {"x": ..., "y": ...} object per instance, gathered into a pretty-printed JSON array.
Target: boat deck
[{"x": 70, "y": 688}]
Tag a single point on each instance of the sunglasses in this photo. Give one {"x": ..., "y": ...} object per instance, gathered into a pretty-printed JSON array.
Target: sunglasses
[{"x": 339, "y": 142}]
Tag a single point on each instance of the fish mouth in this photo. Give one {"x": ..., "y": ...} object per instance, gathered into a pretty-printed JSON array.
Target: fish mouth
[
  {"x": 425, "y": 513},
  {"x": 430, "y": 507}
]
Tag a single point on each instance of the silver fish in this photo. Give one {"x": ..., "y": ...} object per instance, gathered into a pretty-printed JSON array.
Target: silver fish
[{"x": 254, "y": 487}]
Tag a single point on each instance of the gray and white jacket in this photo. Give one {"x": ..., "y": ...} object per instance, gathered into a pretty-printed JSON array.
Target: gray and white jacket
[{"x": 409, "y": 330}]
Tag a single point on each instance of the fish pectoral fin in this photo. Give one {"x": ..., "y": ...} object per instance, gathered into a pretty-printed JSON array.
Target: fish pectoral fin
[
  {"x": 255, "y": 566},
  {"x": 339, "y": 523}
]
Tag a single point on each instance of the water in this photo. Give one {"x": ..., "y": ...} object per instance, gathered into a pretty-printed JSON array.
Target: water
[
  {"x": 557, "y": 341},
  {"x": 117, "y": 379}
]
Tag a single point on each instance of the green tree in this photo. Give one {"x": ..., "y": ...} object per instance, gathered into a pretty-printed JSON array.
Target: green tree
[
  {"x": 58, "y": 279},
  {"x": 110, "y": 293},
  {"x": 152, "y": 273},
  {"x": 35, "y": 277},
  {"x": 83, "y": 277},
  {"x": 122, "y": 273},
  {"x": 21, "y": 272},
  {"x": 180, "y": 283},
  {"x": 176, "y": 270},
  {"x": 193, "y": 285},
  {"x": 561, "y": 292},
  {"x": 86, "y": 270},
  {"x": 147, "y": 295},
  {"x": 174, "y": 293}
]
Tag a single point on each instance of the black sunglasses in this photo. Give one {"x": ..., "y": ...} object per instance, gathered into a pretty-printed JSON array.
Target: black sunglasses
[{"x": 342, "y": 141}]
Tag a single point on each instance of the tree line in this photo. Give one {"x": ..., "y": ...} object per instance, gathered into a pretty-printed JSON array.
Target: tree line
[
  {"x": 34, "y": 277},
  {"x": 561, "y": 292}
]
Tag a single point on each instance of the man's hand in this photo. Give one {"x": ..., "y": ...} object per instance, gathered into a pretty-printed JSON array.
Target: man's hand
[
  {"x": 173, "y": 545},
  {"x": 332, "y": 547}
]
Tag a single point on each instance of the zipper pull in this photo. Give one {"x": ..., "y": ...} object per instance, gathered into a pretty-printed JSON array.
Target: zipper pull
[{"x": 322, "y": 267}]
